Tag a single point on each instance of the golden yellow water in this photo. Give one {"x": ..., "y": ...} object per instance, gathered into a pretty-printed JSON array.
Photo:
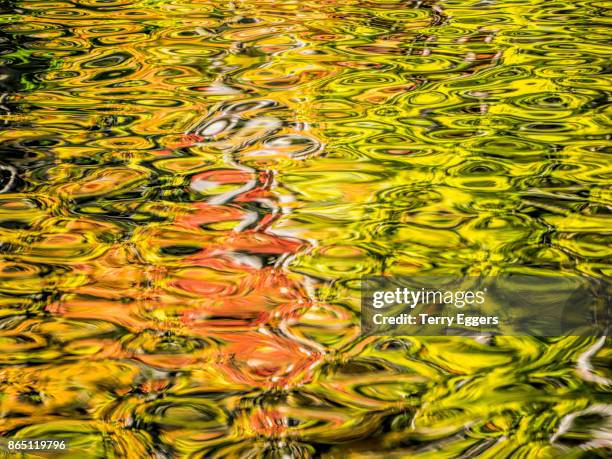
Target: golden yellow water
[{"x": 191, "y": 190}]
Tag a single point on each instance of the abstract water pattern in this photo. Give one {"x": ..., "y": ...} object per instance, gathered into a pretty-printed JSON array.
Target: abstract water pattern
[{"x": 191, "y": 190}]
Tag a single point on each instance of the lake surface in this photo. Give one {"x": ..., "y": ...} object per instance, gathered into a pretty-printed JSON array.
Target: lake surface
[{"x": 190, "y": 192}]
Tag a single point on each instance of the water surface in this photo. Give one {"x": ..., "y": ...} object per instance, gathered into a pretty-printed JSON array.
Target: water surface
[{"x": 191, "y": 190}]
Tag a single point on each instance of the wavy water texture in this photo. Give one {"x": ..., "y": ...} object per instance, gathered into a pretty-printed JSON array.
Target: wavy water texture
[{"x": 191, "y": 190}]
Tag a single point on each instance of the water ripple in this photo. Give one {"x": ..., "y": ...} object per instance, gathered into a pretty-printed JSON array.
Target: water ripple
[{"x": 190, "y": 192}]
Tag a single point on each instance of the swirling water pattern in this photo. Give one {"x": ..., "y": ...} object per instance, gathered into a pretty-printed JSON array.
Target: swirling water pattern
[{"x": 191, "y": 190}]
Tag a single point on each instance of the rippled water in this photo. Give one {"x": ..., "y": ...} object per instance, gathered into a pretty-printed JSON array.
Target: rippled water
[{"x": 190, "y": 191}]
